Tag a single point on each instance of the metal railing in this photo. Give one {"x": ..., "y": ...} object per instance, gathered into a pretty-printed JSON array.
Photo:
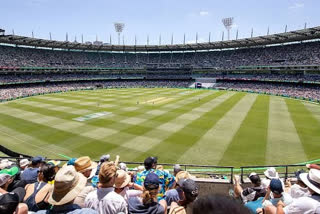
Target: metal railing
[
  {"x": 212, "y": 171},
  {"x": 284, "y": 171}
]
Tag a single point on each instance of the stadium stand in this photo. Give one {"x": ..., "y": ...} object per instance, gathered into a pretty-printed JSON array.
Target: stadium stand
[
  {"x": 77, "y": 186},
  {"x": 265, "y": 68},
  {"x": 285, "y": 64}
]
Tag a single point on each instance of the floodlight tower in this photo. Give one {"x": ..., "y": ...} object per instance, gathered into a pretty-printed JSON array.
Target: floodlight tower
[
  {"x": 228, "y": 22},
  {"x": 119, "y": 28}
]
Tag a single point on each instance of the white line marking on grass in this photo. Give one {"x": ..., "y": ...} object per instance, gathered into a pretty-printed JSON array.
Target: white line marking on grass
[
  {"x": 91, "y": 116},
  {"x": 283, "y": 139},
  {"x": 212, "y": 145}
]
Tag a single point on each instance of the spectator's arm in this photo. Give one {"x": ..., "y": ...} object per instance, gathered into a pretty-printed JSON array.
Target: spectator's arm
[
  {"x": 116, "y": 162},
  {"x": 163, "y": 203},
  {"x": 2, "y": 191},
  {"x": 266, "y": 197},
  {"x": 280, "y": 207},
  {"x": 135, "y": 186}
]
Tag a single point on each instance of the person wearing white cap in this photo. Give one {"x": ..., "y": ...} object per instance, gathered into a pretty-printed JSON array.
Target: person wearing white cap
[
  {"x": 24, "y": 163},
  {"x": 4, "y": 163},
  {"x": 306, "y": 205},
  {"x": 270, "y": 173}
]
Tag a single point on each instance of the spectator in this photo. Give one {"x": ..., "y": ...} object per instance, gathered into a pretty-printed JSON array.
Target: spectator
[
  {"x": 299, "y": 189},
  {"x": 105, "y": 199},
  {"x": 30, "y": 175},
  {"x": 250, "y": 193},
  {"x": 103, "y": 158},
  {"x": 37, "y": 194},
  {"x": 176, "y": 169},
  {"x": 304, "y": 204},
  {"x": 178, "y": 199},
  {"x": 11, "y": 202},
  {"x": 167, "y": 181},
  {"x": 15, "y": 178},
  {"x": 5, "y": 163},
  {"x": 87, "y": 167},
  {"x": 215, "y": 204},
  {"x": 123, "y": 184},
  {"x": 123, "y": 166},
  {"x": 147, "y": 202},
  {"x": 68, "y": 184},
  {"x": 274, "y": 195},
  {"x": 55, "y": 164},
  {"x": 5, "y": 180},
  {"x": 270, "y": 173},
  {"x": 182, "y": 175},
  {"x": 24, "y": 163}
]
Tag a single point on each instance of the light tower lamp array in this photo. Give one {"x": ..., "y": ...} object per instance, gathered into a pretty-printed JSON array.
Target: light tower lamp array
[
  {"x": 228, "y": 22},
  {"x": 119, "y": 28}
]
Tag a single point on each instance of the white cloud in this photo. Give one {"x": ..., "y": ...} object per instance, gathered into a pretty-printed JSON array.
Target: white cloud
[
  {"x": 204, "y": 13},
  {"x": 296, "y": 5}
]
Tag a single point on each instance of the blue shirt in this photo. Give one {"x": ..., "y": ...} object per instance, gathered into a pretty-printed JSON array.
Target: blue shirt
[{"x": 30, "y": 175}]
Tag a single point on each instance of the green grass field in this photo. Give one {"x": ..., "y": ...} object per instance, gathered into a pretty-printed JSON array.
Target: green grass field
[{"x": 177, "y": 125}]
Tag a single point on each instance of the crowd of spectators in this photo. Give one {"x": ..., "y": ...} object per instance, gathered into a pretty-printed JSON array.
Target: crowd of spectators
[
  {"x": 294, "y": 54},
  {"x": 80, "y": 185},
  {"x": 22, "y": 78},
  {"x": 29, "y": 90},
  {"x": 290, "y": 90},
  {"x": 272, "y": 195}
]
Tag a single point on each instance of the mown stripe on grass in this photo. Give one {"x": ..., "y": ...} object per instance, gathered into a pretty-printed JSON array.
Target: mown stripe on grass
[
  {"x": 314, "y": 109},
  {"x": 213, "y": 144},
  {"x": 148, "y": 138},
  {"x": 33, "y": 116},
  {"x": 283, "y": 140},
  {"x": 55, "y": 136},
  {"x": 249, "y": 144},
  {"x": 307, "y": 126},
  {"x": 179, "y": 142},
  {"x": 26, "y": 144}
]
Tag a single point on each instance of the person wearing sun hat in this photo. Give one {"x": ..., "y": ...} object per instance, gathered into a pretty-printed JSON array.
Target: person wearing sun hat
[
  {"x": 105, "y": 199},
  {"x": 304, "y": 204},
  {"x": 85, "y": 165},
  {"x": 270, "y": 173},
  {"x": 123, "y": 184},
  {"x": 88, "y": 168},
  {"x": 68, "y": 184}
]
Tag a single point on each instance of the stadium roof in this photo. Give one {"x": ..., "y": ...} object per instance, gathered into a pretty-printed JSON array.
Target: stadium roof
[{"x": 292, "y": 36}]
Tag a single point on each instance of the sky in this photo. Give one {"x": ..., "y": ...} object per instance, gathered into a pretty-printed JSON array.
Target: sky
[{"x": 95, "y": 18}]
